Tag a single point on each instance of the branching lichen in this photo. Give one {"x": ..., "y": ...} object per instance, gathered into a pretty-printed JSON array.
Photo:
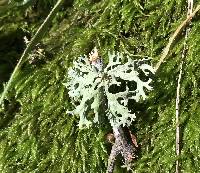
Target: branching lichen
[{"x": 86, "y": 82}]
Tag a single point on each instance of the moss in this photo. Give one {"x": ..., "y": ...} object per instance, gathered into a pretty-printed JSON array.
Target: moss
[{"x": 38, "y": 136}]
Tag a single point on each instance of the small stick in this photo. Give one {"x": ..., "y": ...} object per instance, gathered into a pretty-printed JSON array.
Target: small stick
[
  {"x": 30, "y": 46},
  {"x": 190, "y": 7},
  {"x": 173, "y": 37},
  {"x": 177, "y": 119},
  {"x": 123, "y": 145}
]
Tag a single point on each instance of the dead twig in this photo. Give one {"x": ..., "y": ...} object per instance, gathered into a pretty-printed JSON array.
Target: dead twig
[
  {"x": 125, "y": 145},
  {"x": 178, "y": 90},
  {"x": 38, "y": 35},
  {"x": 173, "y": 37}
]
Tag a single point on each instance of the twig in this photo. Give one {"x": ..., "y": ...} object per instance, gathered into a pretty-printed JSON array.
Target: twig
[
  {"x": 177, "y": 119},
  {"x": 178, "y": 140},
  {"x": 123, "y": 145},
  {"x": 173, "y": 37},
  {"x": 30, "y": 46}
]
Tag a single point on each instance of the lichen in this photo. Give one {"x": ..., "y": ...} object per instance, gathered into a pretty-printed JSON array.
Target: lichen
[{"x": 85, "y": 84}]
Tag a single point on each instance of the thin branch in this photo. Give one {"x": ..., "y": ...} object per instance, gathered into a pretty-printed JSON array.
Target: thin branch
[
  {"x": 30, "y": 46},
  {"x": 123, "y": 145},
  {"x": 178, "y": 140},
  {"x": 177, "y": 119},
  {"x": 173, "y": 37}
]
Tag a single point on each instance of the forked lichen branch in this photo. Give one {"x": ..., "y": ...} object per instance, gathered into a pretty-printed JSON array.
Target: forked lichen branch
[{"x": 89, "y": 81}]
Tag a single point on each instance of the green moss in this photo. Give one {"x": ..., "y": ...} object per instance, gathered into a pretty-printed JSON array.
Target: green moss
[{"x": 36, "y": 133}]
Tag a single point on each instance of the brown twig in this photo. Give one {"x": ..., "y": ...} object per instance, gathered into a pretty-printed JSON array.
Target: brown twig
[
  {"x": 173, "y": 37},
  {"x": 177, "y": 119},
  {"x": 125, "y": 145},
  {"x": 41, "y": 30},
  {"x": 178, "y": 90}
]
